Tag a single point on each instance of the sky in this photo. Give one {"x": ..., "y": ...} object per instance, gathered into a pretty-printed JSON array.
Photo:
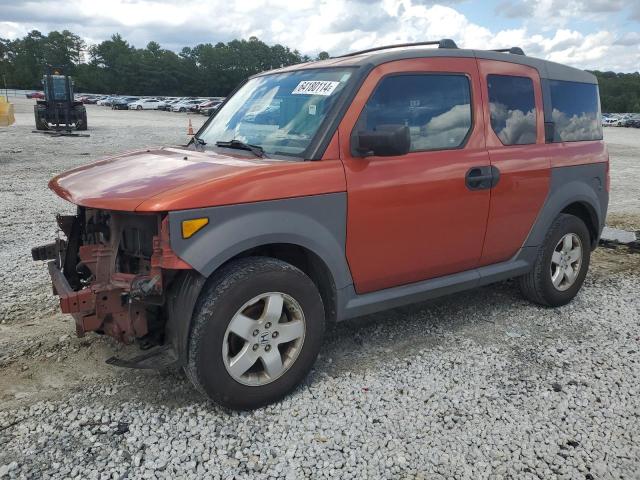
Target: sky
[{"x": 589, "y": 34}]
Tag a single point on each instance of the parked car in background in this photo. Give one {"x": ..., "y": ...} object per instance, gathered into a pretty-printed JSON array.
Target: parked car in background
[
  {"x": 107, "y": 101},
  {"x": 212, "y": 108},
  {"x": 169, "y": 103},
  {"x": 38, "y": 95},
  {"x": 122, "y": 103},
  {"x": 92, "y": 100},
  {"x": 146, "y": 104},
  {"x": 205, "y": 105},
  {"x": 622, "y": 119},
  {"x": 609, "y": 121},
  {"x": 632, "y": 120},
  {"x": 196, "y": 108},
  {"x": 186, "y": 105}
]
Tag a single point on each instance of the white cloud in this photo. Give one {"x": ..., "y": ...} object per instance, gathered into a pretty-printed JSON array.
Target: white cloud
[
  {"x": 445, "y": 130},
  {"x": 577, "y": 127},
  {"x": 336, "y": 26},
  {"x": 13, "y": 29},
  {"x": 519, "y": 127}
]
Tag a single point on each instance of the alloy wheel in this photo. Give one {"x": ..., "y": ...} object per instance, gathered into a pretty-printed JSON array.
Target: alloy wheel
[
  {"x": 263, "y": 339},
  {"x": 566, "y": 261}
]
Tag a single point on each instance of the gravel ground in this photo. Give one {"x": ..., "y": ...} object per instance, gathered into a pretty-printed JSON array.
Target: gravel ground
[{"x": 481, "y": 385}]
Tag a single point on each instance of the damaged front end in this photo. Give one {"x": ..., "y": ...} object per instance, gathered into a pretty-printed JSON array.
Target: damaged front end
[{"x": 112, "y": 271}]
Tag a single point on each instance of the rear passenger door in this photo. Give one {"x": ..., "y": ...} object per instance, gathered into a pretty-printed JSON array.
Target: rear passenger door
[
  {"x": 516, "y": 145},
  {"x": 412, "y": 217}
]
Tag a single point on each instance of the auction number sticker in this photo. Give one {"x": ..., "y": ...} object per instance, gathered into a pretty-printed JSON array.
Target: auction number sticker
[{"x": 315, "y": 87}]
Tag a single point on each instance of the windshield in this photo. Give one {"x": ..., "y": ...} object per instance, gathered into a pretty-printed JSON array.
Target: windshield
[{"x": 280, "y": 112}]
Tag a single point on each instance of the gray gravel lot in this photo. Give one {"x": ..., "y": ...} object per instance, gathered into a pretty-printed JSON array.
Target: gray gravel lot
[{"x": 480, "y": 385}]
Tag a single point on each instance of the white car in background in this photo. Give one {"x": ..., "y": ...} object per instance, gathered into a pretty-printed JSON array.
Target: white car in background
[
  {"x": 146, "y": 104},
  {"x": 185, "y": 105}
]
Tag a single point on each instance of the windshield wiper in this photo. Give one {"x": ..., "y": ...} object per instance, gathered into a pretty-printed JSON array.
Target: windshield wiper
[
  {"x": 198, "y": 142},
  {"x": 257, "y": 150}
]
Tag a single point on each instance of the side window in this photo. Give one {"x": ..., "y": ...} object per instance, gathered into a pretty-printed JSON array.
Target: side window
[
  {"x": 435, "y": 107},
  {"x": 575, "y": 111},
  {"x": 513, "y": 109}
]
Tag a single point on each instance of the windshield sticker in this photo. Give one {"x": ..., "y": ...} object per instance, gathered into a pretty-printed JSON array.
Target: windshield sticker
[
  {"x": 315, "y": 87},
  {"x": 312, "y": 109}
]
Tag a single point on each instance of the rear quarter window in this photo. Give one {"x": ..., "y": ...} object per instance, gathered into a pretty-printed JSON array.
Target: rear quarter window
[{"x": 575, "y": 111}]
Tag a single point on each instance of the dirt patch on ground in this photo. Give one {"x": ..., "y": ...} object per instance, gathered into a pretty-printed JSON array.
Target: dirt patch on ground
[
  {"x": 610, "y": 260},
  {"x": 624, "y": 221}
]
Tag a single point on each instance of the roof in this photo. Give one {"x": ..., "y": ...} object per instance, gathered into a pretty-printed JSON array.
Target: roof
[{"x": 546, "y": 69}]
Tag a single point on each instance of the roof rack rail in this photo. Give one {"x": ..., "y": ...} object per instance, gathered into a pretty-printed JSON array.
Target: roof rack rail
[
  {"x": 444, "y": 43},
  {"x": 512, "y": 50}
]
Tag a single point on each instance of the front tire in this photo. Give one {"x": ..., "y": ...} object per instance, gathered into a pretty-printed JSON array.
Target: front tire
[
  {"x": 561, "y": 265},
  {"x": 257, "y": 330}
]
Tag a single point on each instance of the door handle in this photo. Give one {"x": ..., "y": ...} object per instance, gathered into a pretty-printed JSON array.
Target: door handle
[{"x": 482, "y": 178}]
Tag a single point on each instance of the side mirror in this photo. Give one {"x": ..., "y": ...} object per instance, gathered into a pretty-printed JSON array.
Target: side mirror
[{"x": 385, "y": 141}]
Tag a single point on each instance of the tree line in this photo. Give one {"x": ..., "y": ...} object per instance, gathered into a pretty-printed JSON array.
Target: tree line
[
  {"x": 116, "y": 67},
  {"x": 619, "y": 92}
]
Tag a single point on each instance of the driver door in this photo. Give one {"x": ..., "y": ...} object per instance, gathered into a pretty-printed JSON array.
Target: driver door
[{"x": 416, "y": 216}]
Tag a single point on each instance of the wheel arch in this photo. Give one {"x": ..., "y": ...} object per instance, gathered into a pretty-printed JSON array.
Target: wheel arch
[
  {"x": 578, "y": 190},
  {"x": 587, "y": 213},
  {"x": 308, "y": 232},
  {"x": 307, "y": 261}
]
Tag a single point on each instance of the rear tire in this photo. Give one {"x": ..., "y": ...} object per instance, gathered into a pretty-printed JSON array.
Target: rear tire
[
  {"x": 561, "y": 265},
  {"x": 246, "y": 370},
  {"x": 41, "y": 123}
]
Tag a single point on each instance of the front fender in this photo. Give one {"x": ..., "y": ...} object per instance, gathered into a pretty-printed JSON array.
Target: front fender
[{"x": 317, "y": 223}]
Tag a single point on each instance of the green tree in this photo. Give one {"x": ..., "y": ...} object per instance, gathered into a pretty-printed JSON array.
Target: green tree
[{"x": 619, "y": 92}]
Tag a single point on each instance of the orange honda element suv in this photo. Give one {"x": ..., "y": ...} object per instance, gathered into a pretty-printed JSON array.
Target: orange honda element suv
[{"x": 330, "y": 190}]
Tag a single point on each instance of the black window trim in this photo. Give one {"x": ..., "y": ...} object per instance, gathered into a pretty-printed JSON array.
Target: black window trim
[
  {"x": 465, "y": 141},
  {"x": 534, "y": 105}
]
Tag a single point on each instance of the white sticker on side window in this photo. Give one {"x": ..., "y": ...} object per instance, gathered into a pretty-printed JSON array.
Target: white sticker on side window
[{"x": 315, "y": 87}]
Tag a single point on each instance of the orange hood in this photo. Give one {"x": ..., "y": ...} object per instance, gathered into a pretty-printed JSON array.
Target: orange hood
[{"x": 177, "y": 179}]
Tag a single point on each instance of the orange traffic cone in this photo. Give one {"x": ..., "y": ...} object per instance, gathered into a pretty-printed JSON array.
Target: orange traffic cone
[{"x": 190, "y": 130}]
